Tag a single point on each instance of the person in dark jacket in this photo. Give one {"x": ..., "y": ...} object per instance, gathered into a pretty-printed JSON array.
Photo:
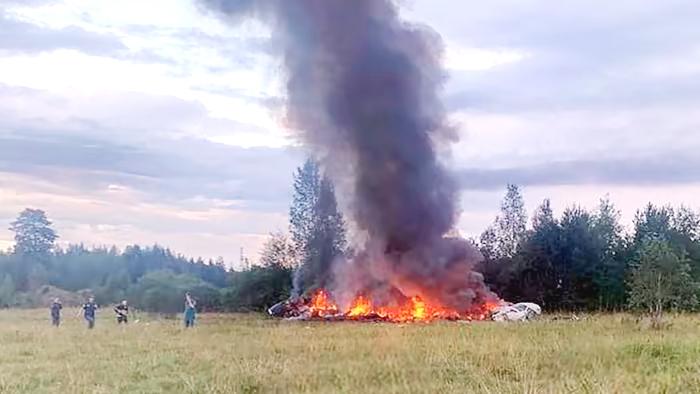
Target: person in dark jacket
[
  {"x": 56, "y": 307},
  {"x": 122, "y": 311},
  {"x": 89, "y": 311}
]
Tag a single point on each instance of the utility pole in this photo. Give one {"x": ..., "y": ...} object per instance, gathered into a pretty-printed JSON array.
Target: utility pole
[{"x": 243, "y": 262}]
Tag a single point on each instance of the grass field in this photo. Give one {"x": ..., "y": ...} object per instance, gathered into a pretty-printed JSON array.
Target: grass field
[{"x": 251, "y": 354}]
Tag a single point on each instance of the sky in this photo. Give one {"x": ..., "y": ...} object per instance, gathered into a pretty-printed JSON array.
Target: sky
[{"x": 153, "y": 122}]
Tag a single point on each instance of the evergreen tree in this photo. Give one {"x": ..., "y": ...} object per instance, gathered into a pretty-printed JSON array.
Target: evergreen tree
[
  {"x": 578, "y": 260},
  {"x": 653, "y": 222},
  {"x": 537, "y": 275},
  {"x": 686, "y": 233},
  {"x": 316, "y": 225},
  {"x": 610, "y": 273}
]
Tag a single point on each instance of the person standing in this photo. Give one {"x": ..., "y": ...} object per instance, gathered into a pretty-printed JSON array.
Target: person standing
[
  {"x": 122, "y": 311},
  {"x": 89, "y": 310},
  {"x": 190, "y": 310},
  {"x": 56, "y": 307}
]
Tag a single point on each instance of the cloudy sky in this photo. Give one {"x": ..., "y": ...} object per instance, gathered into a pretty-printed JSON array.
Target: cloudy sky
[{"x": 152, "y": 122}]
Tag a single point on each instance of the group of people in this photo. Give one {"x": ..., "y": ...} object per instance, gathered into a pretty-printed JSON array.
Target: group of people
[{"x": 121, "y": 310}]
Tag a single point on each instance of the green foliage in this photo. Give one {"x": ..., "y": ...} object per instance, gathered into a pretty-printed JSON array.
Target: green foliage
[
  {"x": 307, "y": 183},
  {"x": 535, "y": 272},
  {"x": 582, "y": 260},
  {"x": 316, "y": 225},
  {"x": 258, "y": 288},
  {"x": 502, "y": 239},
  {"x": 34, "y": 242},
  {"x": 609, "y": 275},
  {"x": 7, "y": 291},
  {"x": 33, "y": 233},
  {"x": 660, "y": 279},
  {"x": 163, "y": 291},
  {"x": 107, "y": 273},
  {"x": 278, "y": 251}
]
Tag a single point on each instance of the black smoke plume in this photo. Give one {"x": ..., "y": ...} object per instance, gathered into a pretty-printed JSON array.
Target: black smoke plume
[{"x": 363, "y": 88}]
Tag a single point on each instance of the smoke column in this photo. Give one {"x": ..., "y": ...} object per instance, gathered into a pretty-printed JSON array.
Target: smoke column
[{"x": 363, "y": 89}]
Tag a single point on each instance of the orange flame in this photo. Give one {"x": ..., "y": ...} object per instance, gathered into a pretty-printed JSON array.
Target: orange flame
[
  {"x": 322, "y": 305},
  {"x": 418, "y": 308},
  {"x": 361, "y": 306},
  {"x": 414, "y": 309}
]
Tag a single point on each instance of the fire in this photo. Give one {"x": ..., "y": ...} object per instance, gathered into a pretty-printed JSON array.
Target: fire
[
  {"x": 418, "y": 308},
  {"x": 361, "y": 306},
  {"x": 322, "y": 305},
  {"x": 413, "y": 309}
]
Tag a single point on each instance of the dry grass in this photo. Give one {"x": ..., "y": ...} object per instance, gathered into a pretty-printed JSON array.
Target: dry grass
[{"x": 251, "y": 354}]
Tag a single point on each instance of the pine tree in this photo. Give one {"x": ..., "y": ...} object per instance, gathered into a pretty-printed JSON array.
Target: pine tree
[
  {"x": 537, "y": 274},
  {"x": 610, "y": 273}
]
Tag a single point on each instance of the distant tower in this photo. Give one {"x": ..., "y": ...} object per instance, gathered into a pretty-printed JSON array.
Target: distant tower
[{"x": 243, "y": 261}]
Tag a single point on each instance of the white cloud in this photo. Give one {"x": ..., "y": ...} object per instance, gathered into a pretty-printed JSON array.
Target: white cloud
[
  {"x": 198, "y": 227},
  {"x": 460, "y": 58},
  {"x": 532, "y": 84}
]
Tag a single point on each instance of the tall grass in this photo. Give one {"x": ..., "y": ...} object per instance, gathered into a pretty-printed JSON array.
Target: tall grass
[{"x": 253, "y": 354}]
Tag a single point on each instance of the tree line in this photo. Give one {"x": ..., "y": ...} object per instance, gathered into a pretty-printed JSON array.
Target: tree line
[
  {"x": 154, "y": 278},
  {"x": 582, "y": 260},
  {"x": 586, "y": 260},
  {"x": 36, "y": 270}
]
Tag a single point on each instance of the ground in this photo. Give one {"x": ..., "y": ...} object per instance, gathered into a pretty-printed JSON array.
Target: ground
[{"x": 251, "y": 354}]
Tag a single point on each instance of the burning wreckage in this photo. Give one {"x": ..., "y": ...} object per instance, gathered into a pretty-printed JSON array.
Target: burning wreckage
[
  {"x": 363, "y": 91},
  {"x": 322, "y": 307}
]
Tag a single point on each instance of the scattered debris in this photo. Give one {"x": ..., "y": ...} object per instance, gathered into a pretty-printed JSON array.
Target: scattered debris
[
  {"x": 571, "y": 317},
  {"x": 522, "y": 311}
]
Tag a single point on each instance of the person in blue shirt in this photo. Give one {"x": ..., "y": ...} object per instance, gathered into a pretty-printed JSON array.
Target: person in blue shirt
[
  {"x": 89, "y": 310},
  {"x": 190, "y": 310},
  {"x": 56, "y": 307}
]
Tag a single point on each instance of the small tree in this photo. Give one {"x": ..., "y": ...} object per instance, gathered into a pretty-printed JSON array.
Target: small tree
[
  {"x": 278, "y": 251},
  {"x": 660, "y": 280},
  {"x": 502, "y": 239}
]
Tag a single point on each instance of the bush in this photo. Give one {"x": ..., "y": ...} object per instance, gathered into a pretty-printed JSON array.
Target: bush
[
  {"x": 163, "y": 291},
  {"x": 257, "y": 289}
]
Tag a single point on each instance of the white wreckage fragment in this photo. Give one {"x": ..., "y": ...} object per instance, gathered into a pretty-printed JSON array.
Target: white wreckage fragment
[
  {"x": 522, "y": 311},
  {"x": 292, "y": 309}
]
